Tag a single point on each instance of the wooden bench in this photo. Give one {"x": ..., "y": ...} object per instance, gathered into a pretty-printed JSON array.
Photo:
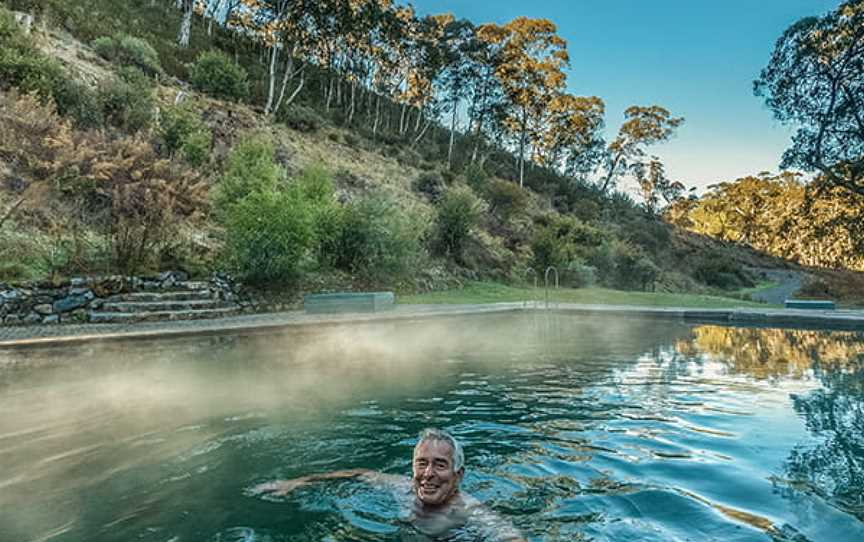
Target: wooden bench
[
  {"x": 344, "y": 302},
  {"x": 810, "y": 304}
]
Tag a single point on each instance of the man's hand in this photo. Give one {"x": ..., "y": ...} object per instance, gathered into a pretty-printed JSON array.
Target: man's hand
[{"x": 280, "y": 487}]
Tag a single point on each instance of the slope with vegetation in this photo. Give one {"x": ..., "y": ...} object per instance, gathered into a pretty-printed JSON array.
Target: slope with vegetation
[{"x": 277, "y": 141}]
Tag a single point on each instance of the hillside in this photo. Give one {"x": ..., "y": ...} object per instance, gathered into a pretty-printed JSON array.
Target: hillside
[{"x": 375, "y": 209}]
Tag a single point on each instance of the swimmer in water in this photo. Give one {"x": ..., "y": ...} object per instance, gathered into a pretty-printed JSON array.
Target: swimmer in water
[{"x": 437, "y": 507}]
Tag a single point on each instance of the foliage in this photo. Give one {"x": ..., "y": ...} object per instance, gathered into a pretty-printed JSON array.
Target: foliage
[
  {"x": 184, "y": 134},
  {"x": 559, "y": 240},
  {"x": 129, "y": 194},
  {"x": 251, "y": 168},
  {"x": 476, "y": 177},
  {"x": 216, "y": 74},
  {"x": 377, "y": 239},
  {"x": 813, "y": 82},
  {"x": 269, "y": 233},
  {"x": 430, "y": 184},
  {"x": 782, "y": 216},
  {"x": 128, "y": 101},
  {"x": 506, "y": 199},
  {"x": 301, "y": 118},
  {"x": 714, "y": 270},
  {"x": 127, "y": 50},
  {"x": 459, "y": 211}
]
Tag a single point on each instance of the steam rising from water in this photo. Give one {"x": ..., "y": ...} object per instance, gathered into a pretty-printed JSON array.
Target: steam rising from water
[{"x": 98, "y": 439}]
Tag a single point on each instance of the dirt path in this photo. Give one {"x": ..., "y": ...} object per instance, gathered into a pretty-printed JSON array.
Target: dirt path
[{"x": 788, "y": 283}]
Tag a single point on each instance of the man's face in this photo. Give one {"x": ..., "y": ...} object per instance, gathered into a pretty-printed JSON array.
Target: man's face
[{"x": 435, "y": 481}]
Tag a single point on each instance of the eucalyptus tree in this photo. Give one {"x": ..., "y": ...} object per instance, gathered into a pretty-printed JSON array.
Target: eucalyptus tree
[
  {"x": 643, "y": 126},
  {"x": 815, "y": 82},
  {"x": 532, "y": 57},
  {"x": 457, "y": 71}
]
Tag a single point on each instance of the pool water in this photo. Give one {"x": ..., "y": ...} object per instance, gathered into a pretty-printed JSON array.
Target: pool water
[{"x": 574, "y": 429}]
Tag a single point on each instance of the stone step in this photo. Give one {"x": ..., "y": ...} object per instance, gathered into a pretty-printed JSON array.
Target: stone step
[
  {"x": 145, "y": 297},
  {"x": 132, "y": 317},
  {"x": 163, "y": 306},
  {"x": 184, "y": 285}
]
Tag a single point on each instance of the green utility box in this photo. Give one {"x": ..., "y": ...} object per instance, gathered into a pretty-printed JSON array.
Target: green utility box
[{"x": 345, "y": 302}]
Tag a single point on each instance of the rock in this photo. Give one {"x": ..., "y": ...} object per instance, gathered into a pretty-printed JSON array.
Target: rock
[
  {"x": 32, "y": 319},
  {"x": 78, "y": 282},
  {"x": 12, "y": 320},
  {"x": 97, "y": 304},
  {"x": 44, "y": 309},
  {"x": 49, "y": 320},
  {"x": 72, "y": 302},
  {"x": 24, "y": 20}
]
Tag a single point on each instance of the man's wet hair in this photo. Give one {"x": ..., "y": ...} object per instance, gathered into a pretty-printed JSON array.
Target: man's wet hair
[{"x": 440, "y": 435}]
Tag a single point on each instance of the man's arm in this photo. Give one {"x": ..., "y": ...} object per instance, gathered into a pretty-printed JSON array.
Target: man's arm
[{"x": 284, "y": 487}]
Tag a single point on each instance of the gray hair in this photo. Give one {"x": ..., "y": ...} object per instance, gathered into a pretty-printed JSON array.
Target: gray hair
[{"x": 443, "y": 436}]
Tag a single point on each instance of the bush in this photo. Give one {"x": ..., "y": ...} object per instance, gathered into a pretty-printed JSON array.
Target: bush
[
  {"x": 183, "y": 133},
  {"x": 560, "y": 240},
  {"x": 269, "y": 234},
  {"x": 301, "y": 118},
  {"x": 506, "y": 199},
  {"x": 476, "y": 177},
  {"x": 75, "y": 100},
  {"x": 633, "y": 269},
  {"x": 129, "y": 51},
  {"x": 431, "y": 185},
  {"x": 127, "y": 101},
  {"x": 251, "y": 167},
  {"x": 458, "y": 212},
  {"x": 216, "y": 74},
  {"x": 377, "y": 239},
  {"x": 715, "y": 270},
  {"x": 579, "y": 275}
]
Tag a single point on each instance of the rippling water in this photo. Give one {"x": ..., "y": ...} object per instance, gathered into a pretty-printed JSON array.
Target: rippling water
[{"x": 573, "y": 430}]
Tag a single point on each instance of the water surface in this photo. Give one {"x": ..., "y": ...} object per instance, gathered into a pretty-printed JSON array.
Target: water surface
[{"x": 574, "y": 429}]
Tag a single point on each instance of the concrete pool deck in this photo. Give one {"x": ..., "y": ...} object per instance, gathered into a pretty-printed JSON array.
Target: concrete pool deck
[{"x": 59, "y": 335}]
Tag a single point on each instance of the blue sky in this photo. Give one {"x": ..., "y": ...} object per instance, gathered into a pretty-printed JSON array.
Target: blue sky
[{"x": 697, "y": 58}]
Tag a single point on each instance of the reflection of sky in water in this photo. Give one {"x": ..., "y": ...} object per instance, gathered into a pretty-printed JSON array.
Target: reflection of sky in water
[{"x": 608, "y": 430}]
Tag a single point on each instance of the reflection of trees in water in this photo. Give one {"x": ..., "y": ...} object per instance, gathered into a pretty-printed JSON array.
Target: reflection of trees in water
[
  {"x": 767, "y": 353},
  {"x": 834, "y": 467}
]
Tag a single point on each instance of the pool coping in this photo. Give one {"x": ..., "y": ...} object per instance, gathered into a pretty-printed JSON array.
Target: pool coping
[{"x": 822, "y": 320}]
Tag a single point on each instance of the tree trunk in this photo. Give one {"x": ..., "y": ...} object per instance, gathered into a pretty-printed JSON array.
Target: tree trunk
[
  {"x": 185, "y": 24},
  {"x": 402, "y": 119},
  {"x": 287, "y": 76},
  {"x": 377, "y": 115},
  {"x": 271, "y": 85},
  {"x": 522, "y": 141},
  {"x": 353, "y": 101},
  {"x": 452, "y": 136}
]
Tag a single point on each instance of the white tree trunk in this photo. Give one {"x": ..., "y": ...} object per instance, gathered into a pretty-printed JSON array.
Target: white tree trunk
[{"x": 185, "y": 24}]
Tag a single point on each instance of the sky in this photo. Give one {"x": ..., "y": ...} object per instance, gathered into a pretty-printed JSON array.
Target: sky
[{"x": 696, "y": 58}]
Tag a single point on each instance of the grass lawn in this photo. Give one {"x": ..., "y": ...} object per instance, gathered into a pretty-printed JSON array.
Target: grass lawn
[{"x": 490, "y": 292}]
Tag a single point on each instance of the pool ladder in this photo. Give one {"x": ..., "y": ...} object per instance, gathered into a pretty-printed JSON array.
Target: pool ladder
[{"x": 530, "y": 271}]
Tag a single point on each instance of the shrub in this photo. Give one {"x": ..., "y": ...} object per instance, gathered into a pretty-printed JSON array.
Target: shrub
[
  {"x": 579, "y": 275},
  {"x": 129, "y": 51},
  {"x": 251, "y": 167},
  {"x": 506, "y": 199},
  {"x": 431, "y": 185},
  {"x": 127, "y": 101},
  {"x": 476, "y": 177},
  {"x": 377, "y": 239},
  {"x": 301, "y": 118},
  {"x": 269, "y": 233},
  {"x": 216, "y": 74},
  {"x": 458, "y": 212},
  {"x": 75, "y": 100},
  {"x": 560, "y": 240},
  {"x": 633, "y": 269},
  {"x": 715, "y": 270},
  {"x": 183, "y": 133}
]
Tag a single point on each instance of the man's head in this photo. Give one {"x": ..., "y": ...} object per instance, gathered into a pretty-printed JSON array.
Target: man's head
[{"x": 438, "y": 467}]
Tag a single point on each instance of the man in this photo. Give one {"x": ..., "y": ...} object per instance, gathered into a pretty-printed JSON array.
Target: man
[{"x": 437, "y": 507}]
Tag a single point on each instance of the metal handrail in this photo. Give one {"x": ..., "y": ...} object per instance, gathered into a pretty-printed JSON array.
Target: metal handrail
[
  {"x": 546, "y": 283},
  {"x": 532, "y": 271}
]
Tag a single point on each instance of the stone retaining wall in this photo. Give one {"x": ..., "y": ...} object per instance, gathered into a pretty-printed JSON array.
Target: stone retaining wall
[{"x": 72, "y": 301}]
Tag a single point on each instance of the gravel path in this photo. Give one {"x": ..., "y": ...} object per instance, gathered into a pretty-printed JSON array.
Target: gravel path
[{"x": 788, "y": 283}]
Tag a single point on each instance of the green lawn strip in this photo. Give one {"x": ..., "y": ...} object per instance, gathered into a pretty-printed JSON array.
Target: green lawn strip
[{"x": 487, "y": 292}]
